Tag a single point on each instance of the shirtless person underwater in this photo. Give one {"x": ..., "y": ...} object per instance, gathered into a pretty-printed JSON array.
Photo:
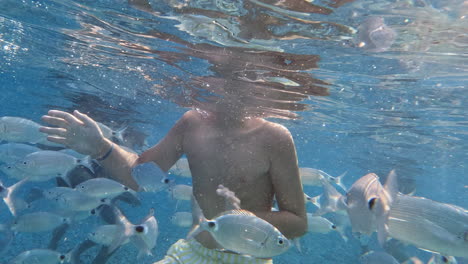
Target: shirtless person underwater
[{"x": 253, "y": 157}]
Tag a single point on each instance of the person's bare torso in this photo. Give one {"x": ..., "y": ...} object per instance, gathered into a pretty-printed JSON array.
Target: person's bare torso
[{"x": 234, "y": 156}]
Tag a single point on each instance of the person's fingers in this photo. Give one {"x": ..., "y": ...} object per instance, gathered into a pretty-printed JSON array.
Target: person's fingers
[
  {"x": 58, "y": 131},
  {"x": 57, "y": 139},
  {"x": 71, "y": 119},
  {"x": 55, "y": 121},
  {"x": 83, "y": 118}
]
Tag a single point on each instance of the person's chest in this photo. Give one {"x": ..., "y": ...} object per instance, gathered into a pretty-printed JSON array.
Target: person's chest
[
  {"x": 232, "y": 153},
  {"x": 238, "y": 161}
]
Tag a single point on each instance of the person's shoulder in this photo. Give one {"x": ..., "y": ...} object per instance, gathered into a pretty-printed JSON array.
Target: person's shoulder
[
  {"x": 276, "y": 131},
  {"x": 191, "y": 116}
]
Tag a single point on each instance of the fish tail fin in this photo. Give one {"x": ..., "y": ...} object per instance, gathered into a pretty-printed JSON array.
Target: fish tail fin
[
  {"x": 339, "y": 181},
  {"x": 391, "y": 185},
  {"x": 87, "y": 162},
  {"x": 15, "y": 204},
  {"x": 119, "y": 134},
  {"x": 313, "y": 200}
]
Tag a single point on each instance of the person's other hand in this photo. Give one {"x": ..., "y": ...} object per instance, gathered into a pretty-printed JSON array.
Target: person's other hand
[{"x": 76, "y": 131}]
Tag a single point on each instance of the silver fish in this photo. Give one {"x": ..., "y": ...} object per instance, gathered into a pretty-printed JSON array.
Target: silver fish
[
  {"x": 429, "y": 225},
  {"x": 68, "y": 199},
  {"x": 51, "y": 164},
  {"x": 182, "y": 219},
  {"x": 368, "y": 204},
  {"x": 150, "y": 177},
  {"x": 40, "y": 256},
  {"x": 243, "y": 232},
  {"x": 313, "y": 177},
  {"x": 12, "y": 171},
  {"x": 377, "y": 257},
  {"x": 144, "y": 235},
  {"x": 11, "y": 153},
  {"x": 21, "y": 130},
  {"x": 319, "y": 224},
  {"x": 103, "y": 188},
  {"x": 38, "y": 222}
]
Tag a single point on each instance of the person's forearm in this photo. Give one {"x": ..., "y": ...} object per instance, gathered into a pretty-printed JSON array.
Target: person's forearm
[
  {"x": 118, "y": 163},
  {"x": 289, "y": 224}
]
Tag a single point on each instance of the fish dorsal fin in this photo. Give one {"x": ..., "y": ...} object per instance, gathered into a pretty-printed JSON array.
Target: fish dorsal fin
[
  {"x": 236, "y": 212},
  {"x": 391, "y": 184}
]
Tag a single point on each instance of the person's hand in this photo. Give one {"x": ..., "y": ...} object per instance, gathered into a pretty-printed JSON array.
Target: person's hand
[{"x": 76, "y": 131}]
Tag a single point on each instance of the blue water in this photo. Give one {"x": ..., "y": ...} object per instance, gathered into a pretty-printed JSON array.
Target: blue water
[{"x": 142, "y": 64}]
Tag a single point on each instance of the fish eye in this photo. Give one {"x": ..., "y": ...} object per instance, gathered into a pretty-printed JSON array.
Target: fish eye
[
  {"x": 78, "y": 160},
  {"x": 444, "y": 259},
  {"x": 103, "y": 200},
  {"x": 280, "y": 241},
  {"x": 166, "y": 180},
  {"x": 25, "y": 163},
  {"x": 82, "y": 186},
  {"x": 333, "y": 226},
  {"x": 211, "y": 224},
  {"x": 126, "y": 188},
  {"x": 139, "y": 229},
  {"x": 93, "y": 211},
  {"x": 62, "y": 257},
  {"x": 371, "y": 203}
]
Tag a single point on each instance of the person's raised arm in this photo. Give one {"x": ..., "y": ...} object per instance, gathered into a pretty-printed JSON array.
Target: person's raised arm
[
  {"x": 291, "y": 219},
  {"x": 81, "y": 133}
]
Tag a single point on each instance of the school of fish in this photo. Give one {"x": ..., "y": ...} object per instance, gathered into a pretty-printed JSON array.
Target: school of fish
[{"x": 367, "y": 207}]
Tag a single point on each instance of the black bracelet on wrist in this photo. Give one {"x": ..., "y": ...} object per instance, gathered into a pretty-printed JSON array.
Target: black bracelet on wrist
[{"x": 107, "y": 153}]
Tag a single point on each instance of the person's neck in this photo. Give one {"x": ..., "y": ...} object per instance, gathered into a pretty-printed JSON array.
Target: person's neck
[{"x": 230, "y": 121}]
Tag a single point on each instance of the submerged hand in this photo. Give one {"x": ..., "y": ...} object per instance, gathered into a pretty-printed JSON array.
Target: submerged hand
[{"x": 76, "y": 131}]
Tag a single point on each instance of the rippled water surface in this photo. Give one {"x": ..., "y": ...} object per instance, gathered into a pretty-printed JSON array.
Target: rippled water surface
[{"x": 364, "y": 86}]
